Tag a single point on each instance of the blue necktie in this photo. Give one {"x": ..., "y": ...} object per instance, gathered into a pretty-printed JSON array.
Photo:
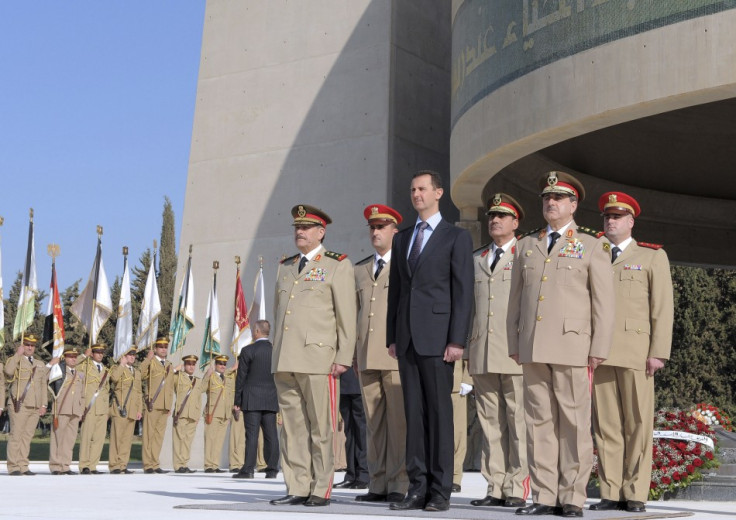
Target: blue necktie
[{"x": 416, "y": 247}]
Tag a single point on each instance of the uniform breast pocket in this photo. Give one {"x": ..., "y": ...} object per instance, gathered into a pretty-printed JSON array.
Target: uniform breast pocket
[
  {"x": 314, "y": 294},
  {"x": 570, "y": 272},
  {"x": 633, "y": 284},
  {"x": 527, "y": 272}
]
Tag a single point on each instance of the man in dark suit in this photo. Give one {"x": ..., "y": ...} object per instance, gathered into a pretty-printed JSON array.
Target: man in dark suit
[
  {"x": 255, "y": 395},
  {"x": 430, "y": 300}
]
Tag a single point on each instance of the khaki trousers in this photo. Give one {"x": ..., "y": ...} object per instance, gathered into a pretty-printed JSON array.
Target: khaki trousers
[
  {"x": 385, "y": 423},
  {"x": 623, "y": 403},
  {"x": 309, "y": 406},
  {"x": 237, "y": 442},
  {"x": 559, "y": 443},
  {"x": 214, "y": 439},
  {"x": 22, "y": 428},
  {"x": 121, "y": 439},
  {"x": 460, "y": 423},
  {"x": 94, "y": 431},
  {"x": 499, "y": 400},
  {"x": 154, "y": 428},
  {"x": 62, "y": 442},
  {"x": 182, "y": 436}
]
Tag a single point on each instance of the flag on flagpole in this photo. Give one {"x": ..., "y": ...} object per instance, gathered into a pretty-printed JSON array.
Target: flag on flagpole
[
  {"x": 150, "y": 309},
  {"x": 94, "y": 306},
  {"x": 124, "y": 325},
  {"x": 258, "y": 309},
  {"x": 2, "y": 305},
  {"x": 184, "y": 319},
  {"x": 53, "y": 327},
  {"x": 27, "y": 299},
  {"x": 241, "y": 327},
  {"x": 211, "y": 340}
]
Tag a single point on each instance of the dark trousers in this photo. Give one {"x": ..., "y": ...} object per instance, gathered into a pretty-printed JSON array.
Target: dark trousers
[
  {"x": 353, "y": 417},
  {"x": 427, "y": 384},
  {"x": 254, "y": 422}
]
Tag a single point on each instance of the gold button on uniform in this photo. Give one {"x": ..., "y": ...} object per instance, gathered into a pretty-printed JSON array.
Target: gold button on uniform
[
  {"x": 288, "y": 312},
  {"x": 541, "y": 297},
  {"x": 544, "y": 278},
  {"x": 547, "y": 260},
  {"x": 296, "y": 282},
  {"x": 375, "y": 284},
  {"x": 373, "y": 299},
  {"x": 491, "y": 279},
  {"x": 286, "y": 328},
  {"x": 370, "y": 314},
  {"x": 539, "y": 318}
]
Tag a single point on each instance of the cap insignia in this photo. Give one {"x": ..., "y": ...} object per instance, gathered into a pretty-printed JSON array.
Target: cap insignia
[
  {"x": 497, "y": 199},
  {"x": 552, "y": 179},
  {"x": 301, "y": 212},
  {"x": 612, "y": 198},
  {"x": 374, "y": 210}
]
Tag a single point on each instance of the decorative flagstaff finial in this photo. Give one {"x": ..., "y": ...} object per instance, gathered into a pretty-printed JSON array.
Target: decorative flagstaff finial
[
  {"x": 53, "y": 250},
  {"x": 1, "y": 221},
  {"x": 190, "y": 249},
  {"x": 215, "y": 265},
  {"x": 125, "y": 250},
  {"x": 155, "y": 245},
  {"x": 99, "y": 231},
  {"x": 260, "y": 261},
  {"x": 237, "y": 260},
  {"x": 31, "y": 214}
]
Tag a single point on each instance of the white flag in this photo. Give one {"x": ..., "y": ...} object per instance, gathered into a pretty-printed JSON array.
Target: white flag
[
  {"x": 94, "y": 305},
  {"x": 258, "y": 309},
  {"x": 28, "y": 291},
  {"x": 150, "y": 309},
  {"x": 124, "y": 325}
]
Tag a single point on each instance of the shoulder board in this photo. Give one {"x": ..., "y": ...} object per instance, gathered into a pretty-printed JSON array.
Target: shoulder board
[
  {"x": 532, "y": 232},
  {"x": 483, "y": 250},
  {"x": 591, "y": 232},
  {"x": 336, "y": 256},
  {"x": 650, "y": 246},
  {"x": 285, "y": 260},
  {"x": 365, "y": 260}
]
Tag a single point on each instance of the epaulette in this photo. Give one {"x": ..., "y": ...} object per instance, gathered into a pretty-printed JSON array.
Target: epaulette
[
  {"x": 591, "y": 232},
  {"x": 532, "y": 232},
  {"x": 365, "y": 260},
  {"x": 336, "y": 256},
  {"x": 284, "y": 260},
  {"x": 650, "y": 246},
  {"x": 483, "y": 250}
]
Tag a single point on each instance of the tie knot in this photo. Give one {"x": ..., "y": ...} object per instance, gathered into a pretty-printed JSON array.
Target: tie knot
[
  {"x": 422, "y": 225},
  {"x": 381, "y": 262},
  {"x": 615, "y": 251},
  {"x": 499, "y": 252}
]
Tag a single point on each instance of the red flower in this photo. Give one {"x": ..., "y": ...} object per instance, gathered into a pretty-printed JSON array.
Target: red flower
[
  {"x": 697, "y": 462},
  {"x": 666, "y": 480},
  {"x": 709, "y": 455},
  {"x": 682, "y": 446}
]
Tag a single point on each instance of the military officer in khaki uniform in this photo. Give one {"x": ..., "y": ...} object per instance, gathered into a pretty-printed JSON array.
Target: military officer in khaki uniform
[
  {"x": 559, "y": 326},
  {"x": 218, "y": 411},
  {"x": 158, "y": 399},
  {"x": 188, "y": 389},
  {"x": 126, "y": 409},
  {"x": 499, "y": 393},
  {"x": 378, "y": 372},
  {"x": 314, "y": 342},
  {"x": 26, "y": 377},
  {"x": 67, "y": 409},
  {"x": 97, "y": 411},
  {"x": 462, "y": 385},
  {"x": 2, "y": 388},
  {"x": 623, "y": 388}
]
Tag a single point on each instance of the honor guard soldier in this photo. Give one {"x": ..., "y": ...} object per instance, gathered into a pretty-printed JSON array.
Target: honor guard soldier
[
  {"x": 379, "y": 372},
  {"x": 26, "y": 377},
  {"x": 187, "y": 412},
  {"x": 236, "y": 446},
  {"x": 623, "y": 388},
  {"x": 314, "y": 341},
  {"x": 559, "y": 326},
  {"x": 97, "y": 409},
  {"x": 499, "y": 395},
  {"x": 218, "y": 411},
  {"x": 126, "y": 409},
  {"x": 462, "y": 385},
  {"x": 68, "y": 408},
  {"x": 158, "y": 375}
]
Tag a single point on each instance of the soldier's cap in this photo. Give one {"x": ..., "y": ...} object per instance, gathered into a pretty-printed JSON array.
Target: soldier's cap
[
  {"x": 381, "y": 212},
  {"x": 191, "y": 358},
  {"x": 618, "y": 202},
  {"x": 98, "y": 347},
  {"x": 305, "y": 215},
  {"x": 71, "y": 352},
  {"x": 562, "y": 183},
  {"x": 31, "y": 339},
  {"x": 222, "y": 358},
  {"x": 132, "y": 351},
  {"x": 505, "y": 204},
  {"x": 161, "y": 342}
]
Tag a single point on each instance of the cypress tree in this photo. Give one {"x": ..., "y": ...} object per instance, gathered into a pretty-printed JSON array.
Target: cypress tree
[{"x": 167, "y": 266}]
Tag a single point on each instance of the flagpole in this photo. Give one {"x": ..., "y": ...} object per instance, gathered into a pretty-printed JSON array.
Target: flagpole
[
  {"x": 27, "y": 274},
  {"x": 53, "y": 251}
]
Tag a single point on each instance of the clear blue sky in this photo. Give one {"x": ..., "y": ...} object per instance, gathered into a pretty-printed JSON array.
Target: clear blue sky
[{"x": 96, "y": 108}]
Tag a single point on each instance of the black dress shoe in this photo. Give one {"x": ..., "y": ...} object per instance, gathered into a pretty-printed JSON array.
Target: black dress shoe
[
  {"x": 437, "y": 503},
  {"x": 148, "y": 471},
  {"x": 606, "y": 505},
  {"x": 234, "y": 470},
  {"x": 218, "y": 470},
  {"x": 289, "y": 500},
  {"x": 514, "y": 502},
  {"x": 85, "y": 471},
  {"x": 634, "y": 506},
  {"x": 536, "y": 509},
  {"x": 410, "y": 502},
  {"x": 56, "y": 472},
  {"x": 456, "y": 488},
  {"x": 395, "y": 497},
  {"x": 95, "y": 472},
  {"x": 359, "y": 484},
  {"x": 160, "y": 471},
  {"x": 315, "y": 501},
  {"x": 130, "y": 471},
  {"x": 180, "y": 470},
  {"x": 28, "y": 473},
  {"x": 272, "y": 473},
  {"x": 345, "y": 484},
  {"x": 116, "y": 472},
  {"x": 371, "y": 497},
  {"x": 15, "y": 473},
  {"x": 190, "y": 470},
  {"x": 487, "y": 501},
  {"x": 571, "y": 511},
  {"x": 70, "y": 472},
  {"x": 244, "y": 474},
  {"x": 209, "y": 470}
]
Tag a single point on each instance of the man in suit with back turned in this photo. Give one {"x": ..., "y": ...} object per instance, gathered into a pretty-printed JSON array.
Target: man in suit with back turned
[{"x": 430, "y": 300}]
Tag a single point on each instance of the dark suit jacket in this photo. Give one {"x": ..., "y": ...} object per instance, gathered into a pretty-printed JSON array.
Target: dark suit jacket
[
  {"x": 432, "y": 306},
  {"x": 254, "y": 386}
]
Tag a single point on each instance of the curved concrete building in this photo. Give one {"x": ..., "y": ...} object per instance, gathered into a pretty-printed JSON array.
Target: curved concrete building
[{"x": 638, "y": 96}]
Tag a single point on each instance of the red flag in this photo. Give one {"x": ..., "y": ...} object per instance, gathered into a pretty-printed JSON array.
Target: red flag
[
  {"x": 53, "y": 328},
  {"x": 241, "y": 327}
]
